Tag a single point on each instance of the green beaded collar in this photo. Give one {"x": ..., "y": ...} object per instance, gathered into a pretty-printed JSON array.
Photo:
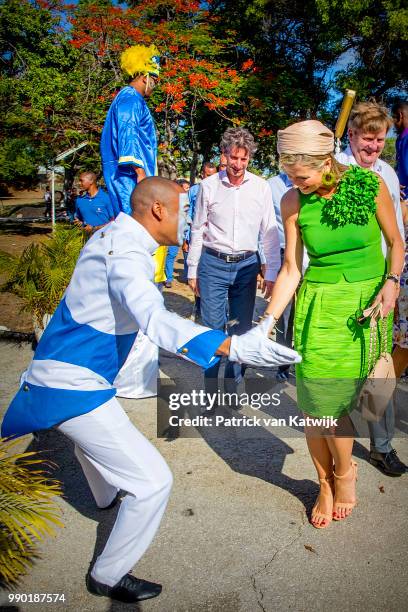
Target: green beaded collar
[{"x": 354, "y": 200}]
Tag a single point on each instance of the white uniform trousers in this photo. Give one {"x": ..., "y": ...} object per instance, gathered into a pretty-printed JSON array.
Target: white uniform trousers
[{"x": 115, "y": 455}]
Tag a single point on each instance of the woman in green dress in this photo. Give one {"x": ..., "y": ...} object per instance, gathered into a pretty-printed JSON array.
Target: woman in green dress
[{"x": 338, "y": 214}]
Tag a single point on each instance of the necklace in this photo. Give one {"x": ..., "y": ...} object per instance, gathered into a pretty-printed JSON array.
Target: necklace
[{"x": 354, "y": 200}]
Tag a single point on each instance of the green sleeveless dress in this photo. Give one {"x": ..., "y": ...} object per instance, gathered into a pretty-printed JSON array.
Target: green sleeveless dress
[{"x": 345, "y": 272}]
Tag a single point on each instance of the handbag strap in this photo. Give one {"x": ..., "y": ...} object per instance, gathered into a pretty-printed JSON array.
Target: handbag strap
[
  {"x": 376, "y": 315},
  {"x": 384, "y": 335},
  {"x": 372, "y": 348}
]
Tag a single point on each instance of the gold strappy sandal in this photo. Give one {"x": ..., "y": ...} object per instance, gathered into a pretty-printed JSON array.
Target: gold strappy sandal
[
  {"x": 344, "y": 505},
  {"x": 321, "y": 515}
]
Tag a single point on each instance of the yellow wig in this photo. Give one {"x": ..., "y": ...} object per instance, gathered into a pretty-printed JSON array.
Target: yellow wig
[{"x": 140, "y": 60}]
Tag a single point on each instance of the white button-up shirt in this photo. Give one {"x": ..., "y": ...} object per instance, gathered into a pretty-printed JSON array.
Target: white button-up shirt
[
  {"x": 279, "y": 185},
  {"x": 389, "y": 177},
  {"x": 230, "y": 219}
]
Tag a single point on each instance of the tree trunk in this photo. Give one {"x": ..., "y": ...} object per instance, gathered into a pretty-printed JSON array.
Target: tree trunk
[
  {"x": 194, "y": 167},
  {"x": 167, "y": 168}
]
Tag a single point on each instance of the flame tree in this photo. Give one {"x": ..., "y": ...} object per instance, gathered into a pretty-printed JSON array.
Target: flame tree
[{"x": 258, "y": 63}]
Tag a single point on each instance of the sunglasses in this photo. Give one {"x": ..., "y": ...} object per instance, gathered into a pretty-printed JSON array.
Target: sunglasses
[{"x": 153, "y": 81}]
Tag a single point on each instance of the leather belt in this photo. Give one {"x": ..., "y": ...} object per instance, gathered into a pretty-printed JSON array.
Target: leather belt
[{"x": 230, "y": 257}]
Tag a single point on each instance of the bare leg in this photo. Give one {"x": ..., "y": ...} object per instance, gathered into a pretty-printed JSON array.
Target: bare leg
[
  {"x": 345, "y": 481},
  {"x": 323, "y": 462},
  {"x": 319, "y": 452},
  {"x": 400, "y": 359}
]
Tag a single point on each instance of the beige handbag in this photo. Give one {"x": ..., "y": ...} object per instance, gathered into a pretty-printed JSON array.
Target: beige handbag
[{"x": 380, "y": 384}]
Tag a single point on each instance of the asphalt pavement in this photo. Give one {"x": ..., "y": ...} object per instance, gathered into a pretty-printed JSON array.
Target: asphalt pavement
[{"x": 235, "y": 536}]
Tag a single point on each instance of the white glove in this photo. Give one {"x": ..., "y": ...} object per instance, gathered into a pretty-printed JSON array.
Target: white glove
[
  {"x": 267, "y": 324},
  {"x": 254, "y": 348}
]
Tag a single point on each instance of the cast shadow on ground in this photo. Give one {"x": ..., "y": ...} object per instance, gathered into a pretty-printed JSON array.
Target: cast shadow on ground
[
  {"x": 58, "y": 449},
  {"x": 178, "y": 303},
  {"x": 179, "y": 276},
  {"x": 291, "y": 408},
  {"x": 23, "y": 229},
  {"x": 261, "y": 455}
]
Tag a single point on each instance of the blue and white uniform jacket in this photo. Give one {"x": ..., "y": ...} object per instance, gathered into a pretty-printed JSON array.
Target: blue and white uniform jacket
[
  {"x": 128, "y": 139},
  {"x": 110, "y": 297}
]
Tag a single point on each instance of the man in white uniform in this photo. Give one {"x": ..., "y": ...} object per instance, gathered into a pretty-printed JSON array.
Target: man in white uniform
[
  {"x": 69, "y": 382},
  {"x": 367, "y": 128}
]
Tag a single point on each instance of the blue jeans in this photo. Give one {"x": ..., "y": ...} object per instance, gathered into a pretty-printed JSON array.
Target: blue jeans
[
  {"x": 171, "y": 256},
  {"x": 382, "y": 433},
  {"x": 227, "y": 288}
]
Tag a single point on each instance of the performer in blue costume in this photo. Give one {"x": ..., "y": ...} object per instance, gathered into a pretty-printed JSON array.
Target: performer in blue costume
[
  {"x": 129, "y": 154},
  {"x": 69, "y": 383},
  {"x": 129, "y": 143}
]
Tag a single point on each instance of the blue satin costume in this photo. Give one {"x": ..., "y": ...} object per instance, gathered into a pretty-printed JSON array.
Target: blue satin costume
[{"x": 128, "y": 139}]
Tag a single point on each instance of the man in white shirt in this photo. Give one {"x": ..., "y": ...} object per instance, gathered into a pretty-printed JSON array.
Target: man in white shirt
[
  {"x": 234, "y": 208},
  {"x": 367, "y": 128}
]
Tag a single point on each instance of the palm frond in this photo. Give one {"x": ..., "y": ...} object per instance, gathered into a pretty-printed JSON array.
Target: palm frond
[
  {"x": 28, "y": 511},
  {"x": 43, "y": 271},
  {"x": 7, "y": 262}
]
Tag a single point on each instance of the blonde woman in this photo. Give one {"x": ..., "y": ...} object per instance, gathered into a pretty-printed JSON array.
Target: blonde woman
[{"x": 338, "y": 214}]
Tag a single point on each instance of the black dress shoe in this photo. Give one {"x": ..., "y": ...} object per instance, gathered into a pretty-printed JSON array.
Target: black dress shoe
[
  {"x": 388, "y": 463},
  {"x": 129, "y": 588}
]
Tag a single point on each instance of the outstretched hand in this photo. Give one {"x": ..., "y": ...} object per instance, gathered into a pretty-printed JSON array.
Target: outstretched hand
[{"x": 254, "y": 348}]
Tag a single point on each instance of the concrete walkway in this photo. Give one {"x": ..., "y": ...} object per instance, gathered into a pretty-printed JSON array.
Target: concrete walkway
[{"x": 235, "y": 537}]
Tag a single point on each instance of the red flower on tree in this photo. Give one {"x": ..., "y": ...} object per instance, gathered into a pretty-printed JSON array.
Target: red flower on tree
[
  {"x": 247, "y": 65},
  {"x": 264, "y": 132}
]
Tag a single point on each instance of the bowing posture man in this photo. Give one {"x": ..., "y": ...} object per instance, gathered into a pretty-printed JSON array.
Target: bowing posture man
[{"x": 69, "y": 381}]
